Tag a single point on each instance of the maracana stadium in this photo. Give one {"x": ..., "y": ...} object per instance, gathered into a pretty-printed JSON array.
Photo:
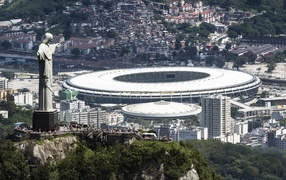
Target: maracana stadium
[{"x": 179, "y": 84}]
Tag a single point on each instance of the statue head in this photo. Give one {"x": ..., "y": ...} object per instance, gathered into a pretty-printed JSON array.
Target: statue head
[{"x": 48, "y": 37}]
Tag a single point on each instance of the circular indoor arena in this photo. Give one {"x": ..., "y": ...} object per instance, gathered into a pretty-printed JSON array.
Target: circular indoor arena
[{"x": 160, "y": 110}]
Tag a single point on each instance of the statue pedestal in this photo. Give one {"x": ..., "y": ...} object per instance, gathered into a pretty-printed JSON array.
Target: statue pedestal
[{"x": 45, "y": 120}]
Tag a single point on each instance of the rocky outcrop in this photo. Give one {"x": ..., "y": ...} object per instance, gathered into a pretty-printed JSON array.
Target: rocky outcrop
[
  {"x": 155, "y": 174},
  {"x": 159, "y": 174},
  {"x": 191, "y": 175},
  {"x": 47, "y": 151}
]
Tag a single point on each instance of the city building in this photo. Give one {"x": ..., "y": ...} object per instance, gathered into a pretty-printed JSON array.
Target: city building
[
  {"x": 246, "y": 112},
  {"x": 71, "y": 104},
  {"x": 276, "y": 138},
  {"x": 255, "y": 138},
  {"x": 192, "y": 133},
  {"x": 215, "y": 115},
  {"x": 4, "y": 113},
  {"x": 233, "y": 138},
  {"x": 162, "y": 130},
  {"x": 115, "y": 117},
  {"x": 3, "y": 83},
  {"x": 241, "y": 127},
  {"x": 23, "y": 98},
  {"x": 5, "y": 93},
  {"x": 87, "y": 116}
]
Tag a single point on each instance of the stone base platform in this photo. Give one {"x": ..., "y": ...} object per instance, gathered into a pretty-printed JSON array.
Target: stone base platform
[{"x": 45, "y": 120}]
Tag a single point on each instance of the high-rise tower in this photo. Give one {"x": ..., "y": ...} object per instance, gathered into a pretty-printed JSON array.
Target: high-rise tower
[{"x": 215, "y": 115}]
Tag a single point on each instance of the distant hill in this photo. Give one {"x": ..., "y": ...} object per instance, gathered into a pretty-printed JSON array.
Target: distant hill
[
  {"x": 32, "y": 9},
  {"x": 242, "y": 162}
]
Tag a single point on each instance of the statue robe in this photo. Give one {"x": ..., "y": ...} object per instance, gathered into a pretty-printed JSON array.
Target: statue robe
[{"x": 44, "y": 55}]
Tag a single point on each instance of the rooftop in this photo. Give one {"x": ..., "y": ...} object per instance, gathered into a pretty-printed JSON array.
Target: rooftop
[{"x": 161, "y": 109}]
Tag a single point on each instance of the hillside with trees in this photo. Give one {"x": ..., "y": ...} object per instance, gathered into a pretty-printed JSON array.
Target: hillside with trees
[
  {"x": 211, "y": 159},
  {"x": 32, "y": 9},
  {"x": 140, "y": 159},
  {"x": 15, "y": 113},
  {"x": 242, "y": 162}
]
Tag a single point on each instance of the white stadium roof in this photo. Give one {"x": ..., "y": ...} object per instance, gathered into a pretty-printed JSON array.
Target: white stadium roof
[
  {"x": 161, "y": 109},
  {"x": 104, "y": 80},
  {"x": 183, "y": 84}
]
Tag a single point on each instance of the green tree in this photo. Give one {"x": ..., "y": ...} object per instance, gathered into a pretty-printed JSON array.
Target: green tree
[
  {"x": 233, "y": 161},
  {"x": 228, "y": 46},
  {"x": 24, "y": 90},
  {"x": 39, "y": 34},
  {"x": 111, "y": 34},
  {"x": 75, "y": 52},
  {"x": 271, "y": 66},
  {"x": 192, "y": 51},
  {"x": 8, "y": 74},
  {"x": 192, "y": 121},
  {"x": 6, "y": 45},
  {"x": 200, "y": 17},
  {"x": 88, "y": 31},
  {"x": 251, "y": 58},
  {"x": 233, "y": 112},
  {"x": 220, "y": 63},
  {"x": 124, "y": 50},
  {"x": 265, "y": 94},
  {"x": 215, "y": 48},
  {"x": 12, "y": 162},
  {"x": 178, "y": 44},
  {"x": 283, "y": 122},
  {"x": 232, "y": 34},
  {"x": 86, "y": 2},
  {"x": 209, "y": 27},
  {"x": 67, "y": 34},
  {"x": 240, "y": 61},
  {"x": 210, "y": 60},
  {"x": 42, "y": 172}
]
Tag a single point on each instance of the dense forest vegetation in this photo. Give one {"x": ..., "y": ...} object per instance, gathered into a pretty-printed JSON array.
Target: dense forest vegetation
[
  {"x": 212, "y": 159},
  {"x": 269, "y": 23},
  {"x": 31, "y": 9},
  {"x": 15, "y": 113},
  {"x": 242, "y": 162},
  {"x": 114, "y": 162}
]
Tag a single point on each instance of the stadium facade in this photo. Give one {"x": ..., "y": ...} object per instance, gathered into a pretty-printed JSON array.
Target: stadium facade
[{"x": 179, "y": 84}]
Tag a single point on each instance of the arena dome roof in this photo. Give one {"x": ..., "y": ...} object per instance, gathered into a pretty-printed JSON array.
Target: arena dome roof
[{"x": 161, "y": 109}]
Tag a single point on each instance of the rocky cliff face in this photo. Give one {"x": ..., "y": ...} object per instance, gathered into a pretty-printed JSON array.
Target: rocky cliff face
[
  {"x": 47, "y": 151},
  {"x": 53, "y": 150},
  {"x": 191, "y": 175},
  {"x": 159, "y": 174}
]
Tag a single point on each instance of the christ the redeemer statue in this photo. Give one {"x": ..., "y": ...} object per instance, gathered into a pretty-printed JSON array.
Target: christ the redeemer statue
[{"x": 44, "y": 54}]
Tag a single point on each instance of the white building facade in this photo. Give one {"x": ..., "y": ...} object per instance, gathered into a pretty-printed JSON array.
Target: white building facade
[
  {"x": 71, "y": 104},
  {"x": 215, "y": 115},
  {"x": 87, "y": 116},
  {"x": 193, "y": 133},
  {"x": 3, "y": 83},
  {"x": 25, "y": 98}
]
